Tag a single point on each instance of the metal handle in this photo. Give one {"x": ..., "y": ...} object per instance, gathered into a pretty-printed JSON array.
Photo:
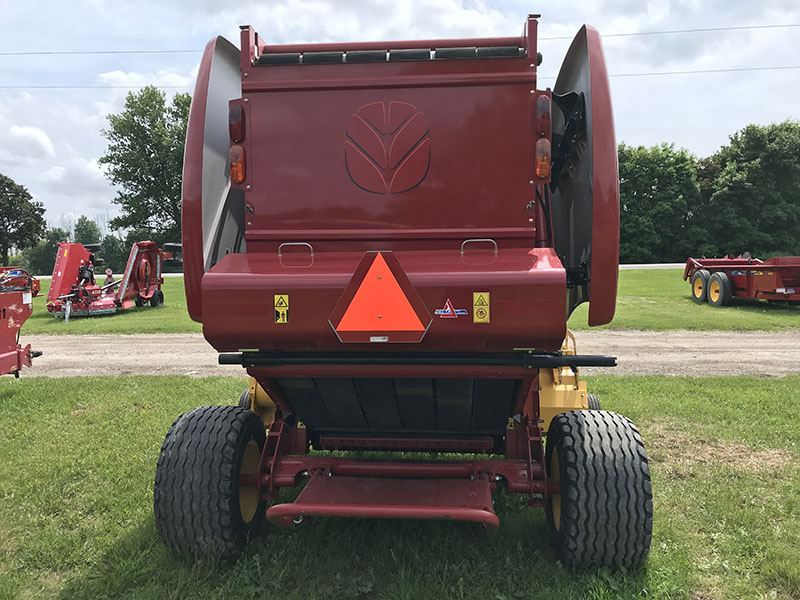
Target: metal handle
[
  {"x": 469, "y": 241},
  {"x": 311, "y": 249}
]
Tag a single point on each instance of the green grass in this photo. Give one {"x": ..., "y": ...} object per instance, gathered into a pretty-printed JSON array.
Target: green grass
[
  {"x": 77, "y": 460},
  {"x": 169, "y": 318},
  {"x": 659, "y": 300}
]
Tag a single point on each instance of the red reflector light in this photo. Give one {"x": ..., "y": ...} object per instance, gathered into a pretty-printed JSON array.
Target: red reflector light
[
  {"x": 237, "y": 164},
  {"x": 543, "y": 112},
  {"x": 236, "y": 123},
  {"x": 543, "y": 158}
]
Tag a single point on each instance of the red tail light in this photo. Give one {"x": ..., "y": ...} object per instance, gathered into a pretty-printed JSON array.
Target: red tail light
[
  {"x": 236, "y": 123},
  {"x": 237, "y": 164},
  {"x": 543, "y": 112}
]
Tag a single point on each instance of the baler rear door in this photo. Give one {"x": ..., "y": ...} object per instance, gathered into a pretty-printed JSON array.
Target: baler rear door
[
  {"x": 210, "y": 206},
  {"x": 585, "y": 201}
]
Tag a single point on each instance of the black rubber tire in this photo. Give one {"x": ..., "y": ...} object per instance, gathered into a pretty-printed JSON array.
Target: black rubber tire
[
  {"x": 138, "y": 301},
  {"x": 606, "y": 498},
  {"x": 593, "y": 402},
  {"x": 157, "y": 299},
  {"x": 244, "y": 399},
  {"x": 703, "y": 276},
  {"x": 196, "y": 491},
  {"x": 725, "y": 289}
]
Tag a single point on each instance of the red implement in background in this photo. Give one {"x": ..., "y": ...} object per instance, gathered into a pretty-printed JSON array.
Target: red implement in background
[
  {"x": 17, "y": 289},
  {"x": 718, "y": 280},
  {"x": 74, "y": 290}
]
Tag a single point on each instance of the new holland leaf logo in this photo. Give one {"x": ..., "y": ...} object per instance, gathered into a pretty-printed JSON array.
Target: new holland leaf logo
[{"x": 387, "y": 149}]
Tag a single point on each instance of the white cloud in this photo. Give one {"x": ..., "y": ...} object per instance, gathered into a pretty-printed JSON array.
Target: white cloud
[
  {"x": 29, "y": 141},
  {"x": 133, "y": 79},
  {"x": 79, "y": 178}
]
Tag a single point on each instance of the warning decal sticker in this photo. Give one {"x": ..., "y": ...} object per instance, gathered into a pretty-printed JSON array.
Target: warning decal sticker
[
  {"x": 480, "y": 307},
  {"x": 448, "y": 312},
  {"x": 281, "y": 304}
]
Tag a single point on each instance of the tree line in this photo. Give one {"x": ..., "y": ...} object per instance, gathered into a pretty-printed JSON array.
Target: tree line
[{"x": 743, "y": 198}]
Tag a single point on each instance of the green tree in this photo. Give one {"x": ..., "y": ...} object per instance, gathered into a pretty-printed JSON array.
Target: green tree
[
  {"x": 21, "y": 218},
  {"x": 86, "y": 231},
  {"x": 114, "y": 252},
  {"x": 145, "y": 159},
  {"x": 39, "y": 259},
  {"x": 658, "y": 188},
  {"x": 753, "y": 201}
]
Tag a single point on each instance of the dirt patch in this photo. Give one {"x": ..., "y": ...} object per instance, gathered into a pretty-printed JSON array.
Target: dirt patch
[
  {"x": 638, "y": 353},
  {"x": 668, "y": 443}
]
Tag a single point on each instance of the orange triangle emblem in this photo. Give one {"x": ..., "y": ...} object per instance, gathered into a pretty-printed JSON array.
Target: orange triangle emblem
[{"x": 380, "y": 305}]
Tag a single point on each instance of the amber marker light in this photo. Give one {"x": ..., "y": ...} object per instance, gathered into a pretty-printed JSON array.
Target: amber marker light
[
  {"x": 237, "y": 164},
  {"x": 543, "y": 158}
]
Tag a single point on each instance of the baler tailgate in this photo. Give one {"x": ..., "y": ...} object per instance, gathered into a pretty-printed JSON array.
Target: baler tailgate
[{"x": 449, "y": 499}]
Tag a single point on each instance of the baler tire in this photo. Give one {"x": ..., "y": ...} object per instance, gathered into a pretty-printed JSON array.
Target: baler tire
[
  {"x": 603, "y": 514},
  {"x": 593, "y": 402},
  {"x": 196, "y": 496},
  {"x": 700, "y": 293},
  {"x": 138, "y": 301},
  {"x": 244, "y": 399},
  {"x": 723, "y": 297}
]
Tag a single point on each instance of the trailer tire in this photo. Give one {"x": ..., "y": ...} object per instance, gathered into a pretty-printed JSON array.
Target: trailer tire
[
  {"x": 700, "y": 285},
  {"x": 244, "y": 399},
  {"x": 199, "y": 506},
  {"x": 593, "y": 402},
  {"x": 138, "y": 301},
  {"x": 719, "y": 290},
  {"x": 603, "y": 514},
  {"x": 157, "y": 299}
]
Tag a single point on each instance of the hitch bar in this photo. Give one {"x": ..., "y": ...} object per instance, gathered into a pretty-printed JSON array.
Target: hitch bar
[{"x": 527, "y": 359}]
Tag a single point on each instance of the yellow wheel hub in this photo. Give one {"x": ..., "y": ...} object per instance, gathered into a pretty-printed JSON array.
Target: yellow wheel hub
[
  {"x": 555, "y": 499},
  {"x": 698, "y": 287},
  {"x": 713, "y": 291},
  {"x": 248, "y": 496}
]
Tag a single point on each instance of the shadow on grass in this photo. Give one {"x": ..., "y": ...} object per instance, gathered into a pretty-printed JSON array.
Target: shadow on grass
[{"x": 359, "y": 559}]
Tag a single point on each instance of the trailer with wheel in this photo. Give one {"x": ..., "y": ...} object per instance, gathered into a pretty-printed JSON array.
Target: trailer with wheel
[
  {"x": 389, "y": 237},
  {"x": 17, "y": 290},
  {"x": 719, "y": 280},
  {"x": 75, "y": 292}
]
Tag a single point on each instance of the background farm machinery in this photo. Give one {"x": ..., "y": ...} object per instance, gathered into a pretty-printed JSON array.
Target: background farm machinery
[
  {"x": 74, "y": 291},
  {"x": 17, "y": 289},
  {"x": 719, "y": 280},
  {"x": 400, "y": 280}
]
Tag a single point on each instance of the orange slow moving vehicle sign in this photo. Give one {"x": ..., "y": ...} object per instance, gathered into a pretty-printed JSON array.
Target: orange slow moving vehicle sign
[{"x": 380, "y": 304}]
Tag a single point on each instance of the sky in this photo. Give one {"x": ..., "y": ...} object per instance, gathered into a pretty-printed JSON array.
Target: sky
[{"x": 50, "y": 137}]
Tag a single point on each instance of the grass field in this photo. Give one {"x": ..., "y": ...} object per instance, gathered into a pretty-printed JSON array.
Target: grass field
[
  {"x": 655, "y": 300},
  {"x": 77, "y": 460},
  {"x": 169, "y": 318},
  {"x": 659, "y": 300}
]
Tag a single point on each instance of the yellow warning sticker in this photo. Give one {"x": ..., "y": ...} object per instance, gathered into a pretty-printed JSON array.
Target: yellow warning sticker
[
  {"x": 281, "y": 302},
  {"x": 480, "y": 307}
]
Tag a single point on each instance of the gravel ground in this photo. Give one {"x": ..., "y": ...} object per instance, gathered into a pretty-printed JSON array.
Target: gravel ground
[{"x": 639, "y": 353}]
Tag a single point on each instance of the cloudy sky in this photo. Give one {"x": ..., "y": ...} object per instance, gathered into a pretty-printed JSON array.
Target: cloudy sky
[{"x": 50, "y": 136}]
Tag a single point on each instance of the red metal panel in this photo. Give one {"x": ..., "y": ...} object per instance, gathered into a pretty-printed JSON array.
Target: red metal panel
[
  {"x": 15, "y": 308},
  {"x": 527, "y": 298},
  {"x": 460, "y": 500},
  {"x": 69, "y": 258},
  {"x": 192, "y": 188},
  {"x": 447, "y": 444},
  {"x": 605, "y": 187}
]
